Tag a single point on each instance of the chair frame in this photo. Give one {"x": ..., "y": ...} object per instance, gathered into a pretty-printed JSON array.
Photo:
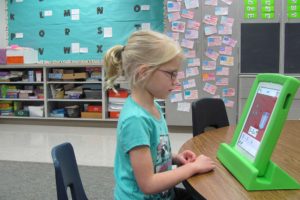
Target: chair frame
[
  {"x": 208, "y": 112},
  {"x": 67, "y": 173}
]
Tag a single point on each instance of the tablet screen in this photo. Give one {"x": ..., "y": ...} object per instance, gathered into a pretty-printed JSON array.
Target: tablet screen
[{"x": 257, "y": 119}]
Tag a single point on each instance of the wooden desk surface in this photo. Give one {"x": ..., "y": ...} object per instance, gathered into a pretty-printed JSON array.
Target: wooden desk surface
[{"x": 220, "y": 184}]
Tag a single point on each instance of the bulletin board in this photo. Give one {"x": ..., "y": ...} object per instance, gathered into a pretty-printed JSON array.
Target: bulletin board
[
  {"x": 79, "y": 30},
  {"x": 208, "y": 33},
  {"x": 260, "y": 47},
  {"x": 292, "y": 48}
]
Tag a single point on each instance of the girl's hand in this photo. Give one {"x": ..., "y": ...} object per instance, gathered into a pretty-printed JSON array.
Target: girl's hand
[
  {"x": 203, "y": 164},
  {"x": 185, "y": 157}
]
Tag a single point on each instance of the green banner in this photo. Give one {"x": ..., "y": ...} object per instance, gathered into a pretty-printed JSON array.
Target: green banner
[
  {"x": 267, "y": 2},
  {"x": 250, "y": 15},
  {"x": 293, "y": 2},
  {"x": 269, "y": 15},
  {"x": 267, "y": 9},
  {"x": 250, "y": 2},
  {"x": 250, "y": 8},
  {"x": 293, "y": 15},
  {"x": 293, "y": 8}
]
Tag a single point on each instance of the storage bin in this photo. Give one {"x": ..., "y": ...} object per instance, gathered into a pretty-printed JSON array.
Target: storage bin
[
  {"x": 72, "y": 111},
  {"x": 122, "y": 93},
  {"x": 94, "y": 115},
  {"x": 94, "y": 108},
  {"x": 93, "y": 94},
  {"x": 114, "y": 115}
]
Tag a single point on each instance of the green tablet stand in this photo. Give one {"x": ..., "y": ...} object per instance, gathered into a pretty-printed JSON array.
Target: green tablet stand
[{"x": 262, "y": 173}]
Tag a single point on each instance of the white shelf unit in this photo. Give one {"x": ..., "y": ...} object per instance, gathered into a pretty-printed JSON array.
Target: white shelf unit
[
  {"x": 48, "y": 101},
  {"x": 22, "y": 85},
  {"x": 51, "y": 103}
]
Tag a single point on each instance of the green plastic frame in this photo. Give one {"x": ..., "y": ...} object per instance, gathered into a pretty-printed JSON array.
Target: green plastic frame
[{"x": 262, "y": 173}]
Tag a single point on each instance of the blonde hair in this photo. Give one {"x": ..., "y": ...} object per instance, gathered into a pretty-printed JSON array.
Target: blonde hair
[{"x": 143, "y": 48}]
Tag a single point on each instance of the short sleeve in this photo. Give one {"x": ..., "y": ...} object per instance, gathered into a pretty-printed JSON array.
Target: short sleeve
[{"x": 135, "y": 132}]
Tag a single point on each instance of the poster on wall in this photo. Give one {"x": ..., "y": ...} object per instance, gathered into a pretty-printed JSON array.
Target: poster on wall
[{"x": 78, "y": 30}]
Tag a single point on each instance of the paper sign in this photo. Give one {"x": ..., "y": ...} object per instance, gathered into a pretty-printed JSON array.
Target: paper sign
[
  {"x": 209, "y": 30},
  {"x": 146, "y": 26},
  {"x": 208, "y": 65},
  {"x": 189, "y": 53},
  {"x": 173, "y": 6},
  {"x": 75, "y": 47},
  {"x": 222, "y": 81},
  {"x": 84, "y": 50},
  {"x": 227, "y": 60},
  {"x": 48, "y": 13},
  {"x": 75, "y": 17},
  {"x": 210, "y": 88},
  {"x": 193, "y": 62},
  {"x": 187, "y": 14},
  {"x": 187, "y": 43},
  {"x": 178, "y": 26},
  {"x": 211, "y": 2},
  {"x": 75, "y": 12},
  {"x": 210, "y": 20},
  {"x": 227, "y": 50},
  {"x": 175, "y": 97},
  {"x": 19, "y": 35},
  {"x": 228, "y": 92},
  {"x": 222, "y": 71},
  {"x": 192, "y": 71},
  {"x": 229, "y": 41},
  {"x": 173, "y": 16},
  {"x": 191, "y": 34},
  {"x": 221, "y": 11},
  {"x": 191, "y": 4},
  {"x": 214, "y": 41},
  {"x": 227, "y": 21},
  {"x": 224, "y": 30},
  {"x": 145, "y": 7},
  {"x": 107, "y": 32},
  {"x": 210, "y": 53},
  {"x": 228, "y": 103},
  {"x": 228, "y": 2},
  {"x": 192, "y": 24},
  {"x": 208, "y": 76},
  {"x": 188, "y": 83},
  {"x": 191, "y": 94},
  {"x": 184, "y": 106}
]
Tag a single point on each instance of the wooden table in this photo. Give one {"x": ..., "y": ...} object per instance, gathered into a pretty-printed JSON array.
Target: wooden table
[{"x": 220, "y": 184}]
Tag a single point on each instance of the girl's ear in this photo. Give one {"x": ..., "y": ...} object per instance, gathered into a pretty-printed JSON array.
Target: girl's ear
[{"x": 141, "y": 70}]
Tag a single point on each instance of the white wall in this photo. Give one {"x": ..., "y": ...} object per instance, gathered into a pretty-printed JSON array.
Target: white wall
[{"x": 3, "y": 42}]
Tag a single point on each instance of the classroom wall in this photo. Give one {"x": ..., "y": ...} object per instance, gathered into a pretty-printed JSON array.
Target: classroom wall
[{"x": 2, "y": 24}]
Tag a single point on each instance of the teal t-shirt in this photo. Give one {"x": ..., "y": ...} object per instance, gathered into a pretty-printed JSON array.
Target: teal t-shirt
[{"x": 137, "y": 127}]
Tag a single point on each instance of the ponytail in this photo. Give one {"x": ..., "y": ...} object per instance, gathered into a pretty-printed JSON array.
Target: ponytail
[{"x": 113, "y": 65}]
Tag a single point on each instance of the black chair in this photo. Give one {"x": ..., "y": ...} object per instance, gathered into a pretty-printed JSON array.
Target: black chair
[
  {"x": 208, "y": 112},
  {"x": 66, "y": 173}
]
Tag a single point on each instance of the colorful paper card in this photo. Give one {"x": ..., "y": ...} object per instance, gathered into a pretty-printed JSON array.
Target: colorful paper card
[{"x": 190, "y": 94}]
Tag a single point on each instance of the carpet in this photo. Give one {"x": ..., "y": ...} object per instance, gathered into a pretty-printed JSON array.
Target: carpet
[{"x": 36, "y": 181}]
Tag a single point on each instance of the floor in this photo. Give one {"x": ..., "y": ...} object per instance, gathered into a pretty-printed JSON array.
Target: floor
[{"x": 93, "y": 146}]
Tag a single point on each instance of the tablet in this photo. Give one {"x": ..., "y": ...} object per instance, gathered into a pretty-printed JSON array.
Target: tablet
[
  {"x": 248, "y": 155},
  {"x": 258, "y": 116}
]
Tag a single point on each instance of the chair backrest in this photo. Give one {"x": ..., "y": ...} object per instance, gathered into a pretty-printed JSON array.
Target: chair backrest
[
  {"x": 208, "y": 112},
  {"x": 66, "y": 173}
]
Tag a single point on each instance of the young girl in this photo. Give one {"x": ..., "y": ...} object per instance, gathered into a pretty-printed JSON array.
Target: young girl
[{"x": 143, "y": 157}]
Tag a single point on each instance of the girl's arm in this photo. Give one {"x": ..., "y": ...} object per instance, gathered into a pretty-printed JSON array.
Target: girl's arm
[{"x": 151, "y": 183}]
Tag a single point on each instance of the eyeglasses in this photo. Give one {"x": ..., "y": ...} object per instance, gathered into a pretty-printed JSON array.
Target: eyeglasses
[{"x": 173, "y": 75}]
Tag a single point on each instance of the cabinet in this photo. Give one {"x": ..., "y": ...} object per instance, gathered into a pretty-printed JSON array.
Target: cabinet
[
  {"x": 57, "y": 92},
  {"x": 53, "y": 91}
]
